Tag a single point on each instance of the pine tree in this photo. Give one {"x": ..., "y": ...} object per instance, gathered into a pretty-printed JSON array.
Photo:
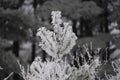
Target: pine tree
[
  {"x": 73, "y": 10},
  {"x": 13, "y": 26}
]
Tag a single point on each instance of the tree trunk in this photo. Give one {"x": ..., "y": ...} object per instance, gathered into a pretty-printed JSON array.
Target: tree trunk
[
  {"x": 106, "y": 25},
  {"x": 33, "y": 46},
  {"x": 74, "y": 26},
  {"x": 16, "y": 48},
  {"x": 105, "y": 16},
  {"x": 88, "y": 29},
  {"x": 105, "y": 19},
  {"x": 81, "y": 27},
  {"x": 101, "y": 23},
  {"x": 33, "y": 51},
  {"x": 35, "y": 3}
]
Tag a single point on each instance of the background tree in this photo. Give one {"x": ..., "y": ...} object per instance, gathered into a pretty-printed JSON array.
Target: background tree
[
  {"x": 107, "y": 6},
  {"x": 89, "y": 12},
  {"x": 73, "y": 10},
  {"x": 13, "y": 26},
  {"x": 115, "y": 16}
]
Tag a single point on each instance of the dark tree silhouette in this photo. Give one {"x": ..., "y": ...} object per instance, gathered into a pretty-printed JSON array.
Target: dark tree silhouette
[
  {"x": 13, "y": 27},
  {"x": 16, "y": 48}
]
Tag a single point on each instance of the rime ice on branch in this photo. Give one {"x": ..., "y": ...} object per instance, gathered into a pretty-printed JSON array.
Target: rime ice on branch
[{"x": 59, "y": 41}]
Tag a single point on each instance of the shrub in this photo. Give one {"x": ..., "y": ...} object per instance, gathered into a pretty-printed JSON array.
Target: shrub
[
  {"x": 116, "y": 67},
  {"x": 59, "y": 70},
  {"x": 58, "y": 43}
]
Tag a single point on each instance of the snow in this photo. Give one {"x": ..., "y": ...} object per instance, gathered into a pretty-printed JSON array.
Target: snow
[{"x": 115, "y": 31}]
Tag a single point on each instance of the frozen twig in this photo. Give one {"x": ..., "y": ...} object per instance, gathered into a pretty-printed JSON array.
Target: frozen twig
[{"x": 8, "y": 76}]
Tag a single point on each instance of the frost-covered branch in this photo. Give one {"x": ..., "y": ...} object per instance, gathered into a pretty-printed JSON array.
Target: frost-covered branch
[
  {"x": 8, "y": 76},
  {"x": 59, "y": 41},
  {"x": 54, "y": 70},
  {"x": 59, "y": 70}
]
